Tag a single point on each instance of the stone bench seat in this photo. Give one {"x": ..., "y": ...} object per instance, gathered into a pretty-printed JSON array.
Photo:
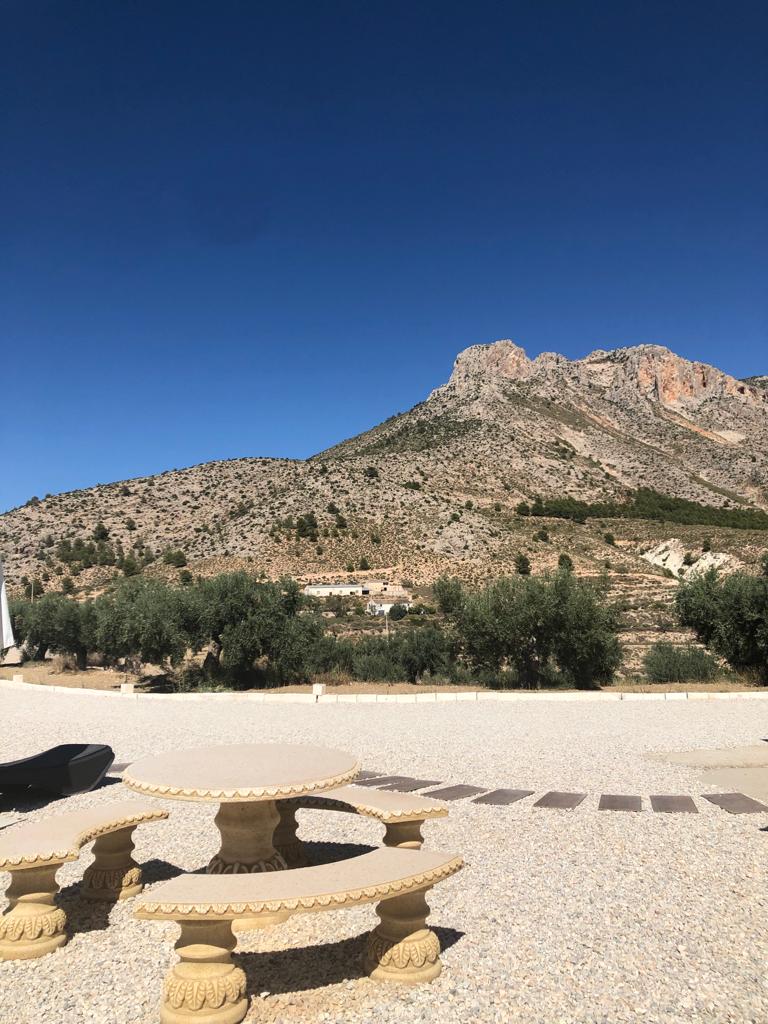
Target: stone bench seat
[
  {"x": 206, "y": 986},
  {"x": 402, "y": 814},
  {"x": 33, "y": 925}
]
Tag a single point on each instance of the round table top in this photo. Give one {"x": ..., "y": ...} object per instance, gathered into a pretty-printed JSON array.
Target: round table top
[{"x": 244, "y": 772}]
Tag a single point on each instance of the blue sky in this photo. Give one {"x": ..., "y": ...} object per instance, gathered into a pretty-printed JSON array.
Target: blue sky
[{"x": 242, "y": 228}]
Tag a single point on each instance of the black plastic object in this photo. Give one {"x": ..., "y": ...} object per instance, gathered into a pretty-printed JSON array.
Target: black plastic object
[{"x": 69, "y": 768}]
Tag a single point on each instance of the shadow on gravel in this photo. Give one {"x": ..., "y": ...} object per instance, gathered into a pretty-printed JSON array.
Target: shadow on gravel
[
  {"x": 83, "y": 915},
  {"x": 25, "y": 800},
  {"x": 93, "y": 916},
  {"x": 315, "y": 967},
  {"x": 330, "y": 853},
  {"x": 159, "y": 871}
]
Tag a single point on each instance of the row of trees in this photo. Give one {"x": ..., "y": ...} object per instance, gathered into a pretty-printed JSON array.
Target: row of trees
[
  {"x": 646, "y": 503},
  {"x": 525, "y": 631},
  {"x": 249, "y": 628}
]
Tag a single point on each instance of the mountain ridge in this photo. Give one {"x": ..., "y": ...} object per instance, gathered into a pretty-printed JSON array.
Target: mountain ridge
[{"x": 435, "y": 488}]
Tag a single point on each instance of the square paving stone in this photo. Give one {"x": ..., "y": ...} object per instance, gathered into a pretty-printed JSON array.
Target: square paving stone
[
  {"x": 381, "y": 781},
  {"x": 368, "y": 775},
  {"x": 674, "y": 805},
  {"x": 411, "y": 785},
  {"x": 735, "y": 803},
  {"x": 455, "y": 792},
  {"x": 615, "y": 802},
  {"x": 561, "y": 801},
  {"x": 503, "y": 797}
]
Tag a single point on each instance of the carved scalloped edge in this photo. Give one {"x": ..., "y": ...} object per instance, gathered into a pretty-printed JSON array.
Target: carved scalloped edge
[
  {"x": 72, "y": 852},
  {"x": 389, "y": 817},
  {"x": 243, "y": 793},
  {"x": 197, "y": 993},
  {"x": 15, "y": 928},
  {"x": 365, "y": 894}
]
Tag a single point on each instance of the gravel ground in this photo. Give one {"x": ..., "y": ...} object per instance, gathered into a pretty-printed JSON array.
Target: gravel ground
[{"x": 560, "y": 917}]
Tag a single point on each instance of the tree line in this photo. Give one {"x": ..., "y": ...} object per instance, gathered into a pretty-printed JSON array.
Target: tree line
[
  {"x": 646, "y": 503},
  {"x": 523, "y": 631}
]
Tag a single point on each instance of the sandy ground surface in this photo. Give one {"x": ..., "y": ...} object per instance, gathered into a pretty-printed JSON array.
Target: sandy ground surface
[
  {"x": 44, "y": 673},
  {"x": 560, "y": 917}
]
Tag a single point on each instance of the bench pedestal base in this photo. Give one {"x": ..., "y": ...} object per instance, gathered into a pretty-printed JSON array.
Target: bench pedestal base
[
  {"x": 33, "y": 925},
  {"x": 402, "y": 948},
  {"x": 404, "y": 834},
  {"x": 114, "y": 874},
  {"x": 205, "y": 987}
]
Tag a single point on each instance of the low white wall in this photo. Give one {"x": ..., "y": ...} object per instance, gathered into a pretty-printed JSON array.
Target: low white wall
[{"x": 431, "y": 696}]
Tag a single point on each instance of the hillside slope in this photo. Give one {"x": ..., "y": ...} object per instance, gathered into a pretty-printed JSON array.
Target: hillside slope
[{"x": 435, "y": 489}]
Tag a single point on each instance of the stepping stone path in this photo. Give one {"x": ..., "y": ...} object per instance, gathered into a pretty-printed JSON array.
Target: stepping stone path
[
  {"x": 561, "y": 801},
  {"x": 674, "y": 805},
  {"x": 614, "y": 802},
  {"x": 733, "y": 803}
]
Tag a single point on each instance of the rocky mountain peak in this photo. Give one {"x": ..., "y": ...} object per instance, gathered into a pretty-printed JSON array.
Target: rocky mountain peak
[{"x": 497, "y": 359}]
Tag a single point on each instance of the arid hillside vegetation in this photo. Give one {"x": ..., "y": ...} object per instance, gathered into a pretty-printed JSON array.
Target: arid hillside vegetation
[{"x": 604, "y": 458}]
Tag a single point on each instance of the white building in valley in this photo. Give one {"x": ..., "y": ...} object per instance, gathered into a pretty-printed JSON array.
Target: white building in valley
[{"x": 336, "y": 590}]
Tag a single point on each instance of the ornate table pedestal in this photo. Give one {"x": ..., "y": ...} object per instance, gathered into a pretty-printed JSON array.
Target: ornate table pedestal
[{"x": 246, "y": 846}]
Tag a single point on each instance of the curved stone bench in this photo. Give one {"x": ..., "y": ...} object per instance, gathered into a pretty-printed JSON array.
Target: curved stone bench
[
  {"x": 402, "y": 814},
  {"x": 33, "y": 925},
  {"x": 207, "y": 987}
]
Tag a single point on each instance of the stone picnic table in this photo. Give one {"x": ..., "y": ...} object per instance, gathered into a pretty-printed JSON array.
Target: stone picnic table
[{"x": 245, "y": 780}]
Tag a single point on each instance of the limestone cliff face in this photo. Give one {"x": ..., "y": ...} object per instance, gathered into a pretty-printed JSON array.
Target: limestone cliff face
[
  {"x": 660, "y": 375},
  {"x": 652, "y": 372}
]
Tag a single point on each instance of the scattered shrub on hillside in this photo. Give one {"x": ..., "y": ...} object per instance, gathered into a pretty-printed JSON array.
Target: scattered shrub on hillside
[
  {"x": 522, "y": 565},
  {"x": 100, "y": 532},
  {"x": 397, "y": 611},
  {"x": 175, "y": 558},
  {"x": 34, "y": 588},
  {"x": 130, "y": 566},
  {"x": 565, "y": 562},
  {"x": 667, "y": 663},
  {"x": 449, "y": 594}
]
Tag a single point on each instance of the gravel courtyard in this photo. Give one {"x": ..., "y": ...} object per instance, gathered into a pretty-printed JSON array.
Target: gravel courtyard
[{"x": 559, "y": 916}]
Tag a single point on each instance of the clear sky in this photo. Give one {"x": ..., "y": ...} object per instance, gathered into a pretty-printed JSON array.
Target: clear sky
[{"x": 246, "y": 228}]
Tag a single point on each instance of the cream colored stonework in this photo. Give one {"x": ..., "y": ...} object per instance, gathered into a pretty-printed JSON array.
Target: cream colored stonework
[
  {"x": 204, "y": 988},
  {"x": 33, "y": 925}
]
